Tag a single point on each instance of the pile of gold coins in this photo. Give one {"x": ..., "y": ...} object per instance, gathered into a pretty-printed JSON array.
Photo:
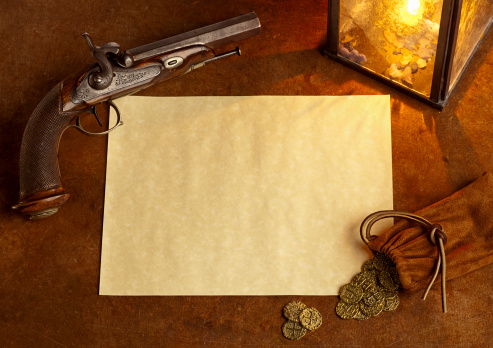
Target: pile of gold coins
[
  {"x": 371, "y": 291},
  {"x": 300, "y": 318}
]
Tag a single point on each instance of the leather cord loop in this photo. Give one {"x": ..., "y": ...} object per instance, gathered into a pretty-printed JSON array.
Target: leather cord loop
[
  {"x": 437, "y": 232},
  {"x": 371, "y": 219},
  {"x": 437, "y": 237}
]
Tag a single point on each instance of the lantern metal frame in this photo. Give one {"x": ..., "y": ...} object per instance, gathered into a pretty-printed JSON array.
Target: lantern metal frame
[{"x": 447, "y": 39}]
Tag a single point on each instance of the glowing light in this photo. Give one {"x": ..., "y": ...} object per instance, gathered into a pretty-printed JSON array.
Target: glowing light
[
  {"x": 411, "y": 13},
  {"x": 413, "y": 6}
]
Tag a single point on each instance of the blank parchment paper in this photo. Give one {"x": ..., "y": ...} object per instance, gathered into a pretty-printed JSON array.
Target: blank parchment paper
[{"x": 259, "y": 195}]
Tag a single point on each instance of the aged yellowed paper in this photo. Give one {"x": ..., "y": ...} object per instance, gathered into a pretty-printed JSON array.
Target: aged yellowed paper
[{"x": 259, "y": 195}]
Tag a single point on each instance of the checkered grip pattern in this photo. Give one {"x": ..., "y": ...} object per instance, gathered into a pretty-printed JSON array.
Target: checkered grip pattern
[{"x": 38, "y": 162}]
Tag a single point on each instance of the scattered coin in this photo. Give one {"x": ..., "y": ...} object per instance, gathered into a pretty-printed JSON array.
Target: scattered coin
[
  {"x": 300, "y": 318},
  {"x": 395, "y": 276},
  {"x": 293, "y": 330},
  {"x": 371, "y": 291},
  {"x": 371, "y": 311},
  {"x": 367, "y": 266},
  {"x": 350, "y": 293},
  {"x": 347, "y": 311},
  {"x": 293, "y": 310},
  {"x": 378, "y": 264},
  {"x": 311, "y": 319},
  {"x": 391, "y": 303},
  {"x": 372, "y": 298},
  {"x": 360, "y": 316},
  {"x": 389, "y": 293},
  {"x": 385, "y": 279},
  {"x": 366, "y": 281}
]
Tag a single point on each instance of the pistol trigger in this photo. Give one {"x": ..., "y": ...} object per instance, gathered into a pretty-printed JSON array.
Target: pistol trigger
[
  {"x": 92, "y": 110},
  {"x": 95, "y": 113}
]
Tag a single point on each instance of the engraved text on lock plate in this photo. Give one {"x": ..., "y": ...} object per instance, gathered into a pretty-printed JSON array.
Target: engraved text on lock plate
[{"x": 121, "y": 80}]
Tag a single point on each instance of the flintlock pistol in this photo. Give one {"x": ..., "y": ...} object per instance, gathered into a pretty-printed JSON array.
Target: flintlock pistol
[{"x": 116, "y": 74}]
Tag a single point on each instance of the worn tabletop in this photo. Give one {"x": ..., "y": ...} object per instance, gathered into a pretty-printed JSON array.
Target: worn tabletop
[{"x": 49, "y": 269}]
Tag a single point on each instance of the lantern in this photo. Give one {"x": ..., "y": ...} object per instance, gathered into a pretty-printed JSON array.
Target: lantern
[{"x": 420, "y": 47}]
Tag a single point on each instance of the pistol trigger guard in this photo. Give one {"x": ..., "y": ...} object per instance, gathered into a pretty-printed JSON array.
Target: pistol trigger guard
[{"x": 119, "y": 121}]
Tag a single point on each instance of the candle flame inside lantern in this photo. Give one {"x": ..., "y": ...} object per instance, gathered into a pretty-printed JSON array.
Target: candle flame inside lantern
[
  {"x": 413, "y": 6},
  {"x": 411, "y": 13}
]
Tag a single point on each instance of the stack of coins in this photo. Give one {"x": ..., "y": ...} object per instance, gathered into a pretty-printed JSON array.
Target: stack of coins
[
  {"x": 371, "y": 291},
  {"x": 300, "y": 318}
]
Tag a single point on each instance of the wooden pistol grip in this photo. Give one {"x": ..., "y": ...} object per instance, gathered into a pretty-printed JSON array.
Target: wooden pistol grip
[{"x": 41, "y": 191}]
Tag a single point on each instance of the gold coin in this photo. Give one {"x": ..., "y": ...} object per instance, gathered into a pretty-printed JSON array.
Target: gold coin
[
  {"x": 367, "y": 266},
  {"x": 371, "y": 311},
  {"x": 388, "y": 260},
  {"x": 293, "y": 310},
  {"x": 389, "y": 293},
  {"x": 360, "y": 316},
  {"x": 293, "y": 330},
  {"x": 371, "y": 299},
  {"x": 390, "y": 266},
  {"x": 372, "y": 273},
  {"x": 377, "y": 255},
  {"x": 391, "y": 303},
  {"x": 385, "y": 279},
  {"x": 378, "y": 263},
  {"x": 346, "y": 311},
  {"x": 310, "y": 319},
  {"x": 395, "y": 275},
  {"x": 366, "y": 281},
  {"x": 378, "y": 282},
  {"x": 350, "y": 293}
]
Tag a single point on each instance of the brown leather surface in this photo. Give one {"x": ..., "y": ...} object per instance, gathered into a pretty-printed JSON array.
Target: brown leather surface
[{"x": 49, "y": 269}]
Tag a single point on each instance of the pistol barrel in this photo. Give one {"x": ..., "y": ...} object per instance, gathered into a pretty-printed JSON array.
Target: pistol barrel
[{"x": 212, "y": 36}]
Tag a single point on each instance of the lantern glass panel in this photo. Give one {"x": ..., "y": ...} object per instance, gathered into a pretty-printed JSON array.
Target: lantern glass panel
[
  {"x": 474, "y": 21},
  {"x": 393, "y": 38}
]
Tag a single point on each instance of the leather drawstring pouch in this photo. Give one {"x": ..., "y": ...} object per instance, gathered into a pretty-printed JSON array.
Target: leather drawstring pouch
[{"x": 453, "y": 237}]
